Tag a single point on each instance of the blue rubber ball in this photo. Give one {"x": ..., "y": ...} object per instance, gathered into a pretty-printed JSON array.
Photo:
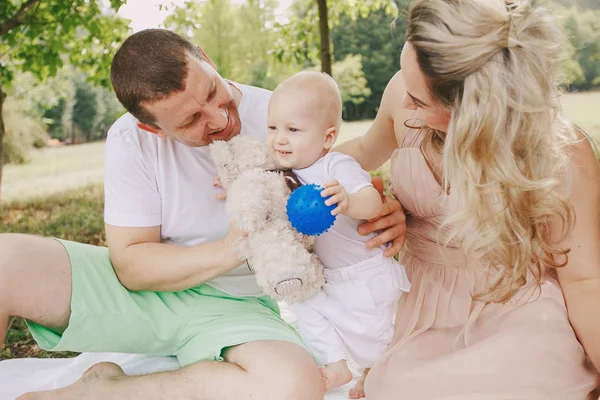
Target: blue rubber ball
[{"x": 307, "y": 211}]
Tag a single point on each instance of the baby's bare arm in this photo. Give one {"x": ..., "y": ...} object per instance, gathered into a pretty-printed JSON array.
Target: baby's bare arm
[{"x": 364, "y": 204}]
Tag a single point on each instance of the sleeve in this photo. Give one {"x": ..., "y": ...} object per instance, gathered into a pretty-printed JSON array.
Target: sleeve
[
  {"x": 347, "y": 171},
  {"x": 131, "y": 196}
]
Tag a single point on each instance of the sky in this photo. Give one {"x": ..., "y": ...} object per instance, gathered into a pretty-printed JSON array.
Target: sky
[{"x": 146, "y": 14}]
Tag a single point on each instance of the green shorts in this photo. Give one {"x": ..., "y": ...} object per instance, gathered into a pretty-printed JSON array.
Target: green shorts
[{"x": 193, "y": 325}]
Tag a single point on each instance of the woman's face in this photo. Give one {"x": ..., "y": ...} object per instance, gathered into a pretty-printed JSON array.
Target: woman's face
[{"x": 418, "y": 96}]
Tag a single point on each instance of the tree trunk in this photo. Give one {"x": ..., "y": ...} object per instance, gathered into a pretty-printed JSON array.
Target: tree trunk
[
  {"x": 2, "y": 97},
  {"x": 325, "y": 39}
]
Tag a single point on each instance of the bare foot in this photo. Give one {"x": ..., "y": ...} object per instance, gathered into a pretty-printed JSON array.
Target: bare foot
[
  {"x": 93, "y": 383},
  {"x": 358, "y": 391},
  {"x": 336, "y": 374}
]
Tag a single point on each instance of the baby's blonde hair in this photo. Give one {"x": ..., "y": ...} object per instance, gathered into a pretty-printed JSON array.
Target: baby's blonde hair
[
  {"x": 494, "y": 65},
  {"x": 325, "y": 89}
]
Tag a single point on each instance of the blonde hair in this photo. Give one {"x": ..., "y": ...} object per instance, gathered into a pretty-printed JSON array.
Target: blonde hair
[
  {"x": 325, "y": 89},
  {"x": 494, "y": 65}
]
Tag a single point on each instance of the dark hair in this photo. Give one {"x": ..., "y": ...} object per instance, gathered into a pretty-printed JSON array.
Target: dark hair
[{"x": 150, "y": 65}]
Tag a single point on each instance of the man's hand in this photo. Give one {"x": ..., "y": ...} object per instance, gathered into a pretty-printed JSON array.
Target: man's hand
[
  {"x": 338, "y": 195},
  {"x": 217, "y": 183},
  {"x": 234, "y": 234},
  {"x": 391, "y": 223}
]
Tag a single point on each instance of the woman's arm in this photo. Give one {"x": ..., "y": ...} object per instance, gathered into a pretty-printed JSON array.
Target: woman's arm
[
  {"x": 580, "y": 278},
  {"x": 375, "y": 147}
]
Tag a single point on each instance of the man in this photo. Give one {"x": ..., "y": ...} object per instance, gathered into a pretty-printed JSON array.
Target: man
[{"x": 169, "y": 282}]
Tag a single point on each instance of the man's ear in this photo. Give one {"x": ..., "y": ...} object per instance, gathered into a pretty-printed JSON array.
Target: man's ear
[
  {"x": 330, "y": 137},
  {"x": 152, "y": 129},
  {"x": 207, "y": 58}
]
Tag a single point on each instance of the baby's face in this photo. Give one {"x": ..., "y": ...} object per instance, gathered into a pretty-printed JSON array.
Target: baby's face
[{"x": 297, "y": 134}]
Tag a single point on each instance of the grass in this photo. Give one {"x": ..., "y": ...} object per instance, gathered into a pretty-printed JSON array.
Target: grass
[
  {"x": 53, "y": 170},
  {"x": 60, "y": 194}
]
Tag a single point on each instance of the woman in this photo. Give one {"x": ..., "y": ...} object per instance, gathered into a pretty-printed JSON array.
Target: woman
[{"x": 502, "y": 198}]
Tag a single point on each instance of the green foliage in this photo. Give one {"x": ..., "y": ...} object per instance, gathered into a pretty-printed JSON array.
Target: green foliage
[
  {"x": 52, "y": 32},
  {"x": 581, "y": 45},
  {"x": 238, "y": 37},
  {"x": 379, "y": 42},
  {"x": 350, "y": 78},
  {"x": 39, "y": 37},
  {"x": 300, "y": 37},
  {"x": 53, "y": 107},
  {"x": 24, "y": 131},
  {"x": 84, "y": 110},
  {"x": 209, "y": 24}
]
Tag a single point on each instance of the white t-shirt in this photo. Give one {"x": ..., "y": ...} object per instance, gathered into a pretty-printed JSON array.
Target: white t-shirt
[
  {"x": 150, "y": 181},
  {"x": 342, "y": 245}
]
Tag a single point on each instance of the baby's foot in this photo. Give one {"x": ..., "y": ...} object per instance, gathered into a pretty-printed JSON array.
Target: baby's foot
[
  {"x": 358, "y": 391},
  {"x": 336, "y": 374}
]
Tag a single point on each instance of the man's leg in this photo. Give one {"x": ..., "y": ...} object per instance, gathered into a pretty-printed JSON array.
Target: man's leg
[
  {"x": 35, "y": 281},
  {"x": 4, "y": 321},
  {"x": 266, "y": 370}
]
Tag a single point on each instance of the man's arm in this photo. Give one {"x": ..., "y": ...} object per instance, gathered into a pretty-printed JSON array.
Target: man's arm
[{"x": 141, "y": 262}]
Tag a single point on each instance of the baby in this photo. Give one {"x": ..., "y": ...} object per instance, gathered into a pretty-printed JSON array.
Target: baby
[{"x": 353, "y": 313}]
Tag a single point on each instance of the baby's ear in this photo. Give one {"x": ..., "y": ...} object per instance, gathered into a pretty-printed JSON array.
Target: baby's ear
[{"x": 330, "y": 137}]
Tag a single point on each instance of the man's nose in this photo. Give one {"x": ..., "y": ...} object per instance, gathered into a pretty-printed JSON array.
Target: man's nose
[{"x": 218, "y": 119}]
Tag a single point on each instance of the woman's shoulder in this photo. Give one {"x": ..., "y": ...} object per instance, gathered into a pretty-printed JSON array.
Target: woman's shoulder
[
  {"x": 394, "y": 92},
  {"x": 581, "y": 146},
  {"x": 391, "y": 102}
]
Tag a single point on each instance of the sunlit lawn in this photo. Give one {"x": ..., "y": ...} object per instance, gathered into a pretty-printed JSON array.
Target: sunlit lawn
[{"x": 53, "y": 170}]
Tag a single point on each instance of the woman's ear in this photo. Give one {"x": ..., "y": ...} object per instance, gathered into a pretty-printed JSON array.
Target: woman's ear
[
  {"x": 330, "y": 137},
  {"x": 152, "y": 129}
]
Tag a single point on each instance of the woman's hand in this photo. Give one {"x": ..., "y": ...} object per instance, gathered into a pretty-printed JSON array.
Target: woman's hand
[{"x": 391, "y": 224}]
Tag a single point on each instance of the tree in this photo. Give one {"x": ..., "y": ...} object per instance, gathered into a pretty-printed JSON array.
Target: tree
[
  {"x": 84, "y": 110},
  {"x": 378, "y": 38},
  {"x": 238, "y": 37},
  {"x": 350, "y": 77},
  {"x": 300, "y": 34},
  {"x": 40, "y": 35},
  {"x": 325, "y": 37}
]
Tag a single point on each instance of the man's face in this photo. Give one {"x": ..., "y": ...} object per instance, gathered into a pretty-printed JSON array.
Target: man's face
[{"x": 205, "y": 111}]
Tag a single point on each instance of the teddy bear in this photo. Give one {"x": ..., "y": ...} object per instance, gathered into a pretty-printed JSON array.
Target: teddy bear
[{"x": 257, "y": 191}]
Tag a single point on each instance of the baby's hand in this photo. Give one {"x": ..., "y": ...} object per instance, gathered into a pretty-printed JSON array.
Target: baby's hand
[
  {"x": 217, "y": 183},
  {"x": 338, "y": 195}
]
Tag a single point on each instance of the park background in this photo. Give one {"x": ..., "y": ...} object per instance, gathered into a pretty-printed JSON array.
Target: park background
[{"x": 56, "y": 104}]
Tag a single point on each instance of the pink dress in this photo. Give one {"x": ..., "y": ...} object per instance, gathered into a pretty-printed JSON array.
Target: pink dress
[{"x": 447, "y": 346}]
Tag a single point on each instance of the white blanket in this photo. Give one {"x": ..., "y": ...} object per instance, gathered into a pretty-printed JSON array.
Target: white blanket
[{"x": 27, "y": 375}]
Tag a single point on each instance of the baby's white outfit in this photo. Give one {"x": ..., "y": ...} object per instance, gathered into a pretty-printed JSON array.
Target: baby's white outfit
[{"x": 354, "y": 311}]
